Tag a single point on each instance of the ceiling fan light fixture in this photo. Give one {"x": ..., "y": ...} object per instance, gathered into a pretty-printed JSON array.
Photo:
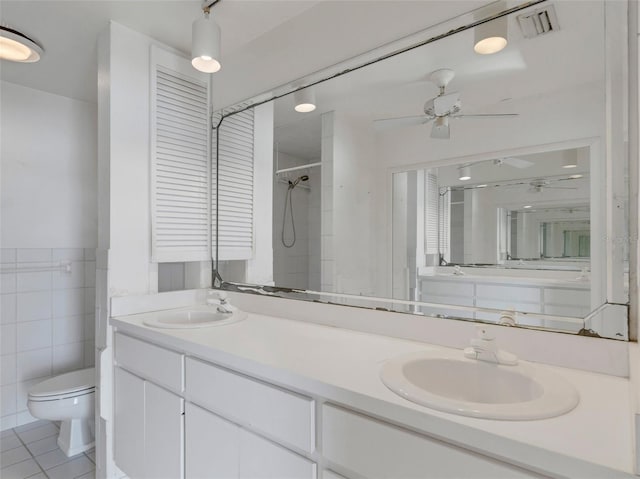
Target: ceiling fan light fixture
[
  {"x": 304, "y": 100},
  {"x": 205, "y": 44},
  {"x": 464, "y": 173},
  {"x": 17, "y": 47},
  {"x": 491, "y": 37}
]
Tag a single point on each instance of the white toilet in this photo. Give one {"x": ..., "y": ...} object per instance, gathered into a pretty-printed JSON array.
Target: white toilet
[{"x": 68, "y": 398}]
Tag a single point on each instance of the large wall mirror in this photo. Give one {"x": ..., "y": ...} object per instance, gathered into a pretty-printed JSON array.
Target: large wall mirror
[{"x": 443, "y": 182}]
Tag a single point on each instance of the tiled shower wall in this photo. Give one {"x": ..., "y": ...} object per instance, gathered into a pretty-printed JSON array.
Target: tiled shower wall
[{"x": 46, "y": 322}]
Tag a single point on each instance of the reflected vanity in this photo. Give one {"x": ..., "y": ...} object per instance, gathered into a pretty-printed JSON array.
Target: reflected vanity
[{"x": 436, "y": 181}]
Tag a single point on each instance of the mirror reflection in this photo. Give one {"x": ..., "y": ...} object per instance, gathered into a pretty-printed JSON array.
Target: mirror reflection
[{"x": 439, "y": 181}]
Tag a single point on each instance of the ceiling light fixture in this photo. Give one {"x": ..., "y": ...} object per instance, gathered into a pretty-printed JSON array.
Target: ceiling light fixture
[
  {"x": 205, "y": 42},
  {"x": 464, "y": 173},
  {"x": 526, "y": 207},
  {"x": 571, "y": 159},
  {"x": 491, "y": 37},
  {"x": 304, "y": 100},
  {"x": 17, "y": 47},
  {"x": 481, "y": 186},
  {"x": 575, "y": 177}
]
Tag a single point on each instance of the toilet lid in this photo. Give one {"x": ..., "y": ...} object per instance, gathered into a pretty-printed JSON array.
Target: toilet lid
[{"x": 74, "y": 381}]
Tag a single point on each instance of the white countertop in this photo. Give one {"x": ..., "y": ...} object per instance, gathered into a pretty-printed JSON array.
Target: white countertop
[{"x": 343, "y": 365}]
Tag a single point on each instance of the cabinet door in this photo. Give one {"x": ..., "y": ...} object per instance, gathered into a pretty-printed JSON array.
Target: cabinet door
[
  {"x": 212, "y": 445},
  {"x": 262, "y": 459},
  {"x": 129, "y": 423},
  {"x": 163, "y": 427}
]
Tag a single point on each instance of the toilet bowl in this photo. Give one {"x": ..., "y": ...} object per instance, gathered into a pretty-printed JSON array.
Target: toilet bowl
[{"x": 68, "y": 398}]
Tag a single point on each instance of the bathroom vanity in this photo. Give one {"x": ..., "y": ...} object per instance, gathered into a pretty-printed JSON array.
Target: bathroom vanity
[{"x": 271, "y": 397}]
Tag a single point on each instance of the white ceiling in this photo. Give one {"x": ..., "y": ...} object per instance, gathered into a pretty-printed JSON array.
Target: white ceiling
[{"x": 68, "y": 32}]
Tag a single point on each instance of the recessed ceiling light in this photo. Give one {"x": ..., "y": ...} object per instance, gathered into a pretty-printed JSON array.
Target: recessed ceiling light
[
  {"x": 481, "y": 186},
  {"x": 17, "y": 47},
  {"x": 575, "y": 177},
  {"x": 526, "y": 207}
]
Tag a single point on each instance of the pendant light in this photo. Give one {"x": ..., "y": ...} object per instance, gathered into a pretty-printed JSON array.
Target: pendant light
[
  {"x": 491, "y": 37},
  {"x": 17, "y": 47},
  {"x": 205, "y": 44},
  {"x": 304, "y": 100},
  {"x": 570, "y": 159},
  {"x": 464, "y": 173}
]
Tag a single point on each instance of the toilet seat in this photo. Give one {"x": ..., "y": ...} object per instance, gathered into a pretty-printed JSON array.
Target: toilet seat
[{"x": 64, "y": 386}]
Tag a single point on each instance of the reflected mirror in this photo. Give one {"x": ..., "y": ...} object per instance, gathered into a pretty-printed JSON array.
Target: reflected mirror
[{"x": 442, "y": 182}]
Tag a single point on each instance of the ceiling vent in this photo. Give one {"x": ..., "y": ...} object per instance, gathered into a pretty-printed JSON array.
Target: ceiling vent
[{"x": 539, "y": 22}]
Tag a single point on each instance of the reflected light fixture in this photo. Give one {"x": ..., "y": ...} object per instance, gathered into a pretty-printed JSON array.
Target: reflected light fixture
[
  {"x": 205, "y": 43},
  {"x": 571, "y": 159},
  {"x": 304, "y": 100},
  {"x": 464, "y": 173},
  {"x": 17, "y": 47},
  {"x": 491, "y": 37}
]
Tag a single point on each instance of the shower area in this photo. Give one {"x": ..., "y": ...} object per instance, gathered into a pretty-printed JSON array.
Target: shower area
[{"x": 296, "y": 211}]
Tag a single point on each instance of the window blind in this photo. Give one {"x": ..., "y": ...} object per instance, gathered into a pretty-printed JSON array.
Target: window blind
[
  {"x": 180, "y": 167},
  {"x": 235, "y": 182}
]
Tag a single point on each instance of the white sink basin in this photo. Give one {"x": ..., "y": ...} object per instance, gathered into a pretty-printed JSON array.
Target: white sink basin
[
  {"x": 452, "y": 383},
  {"x": 190, "y": 319}
]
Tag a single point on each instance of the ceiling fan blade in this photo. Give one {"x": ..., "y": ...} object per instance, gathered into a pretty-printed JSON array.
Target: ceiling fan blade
[
  {"x": 402, "y": 121},
  {"x": 517, "y": 162},
  {"x": 486, "y": 115},
  {"x": 446, "y": 104},
  {"x": 440, "y": 131}
]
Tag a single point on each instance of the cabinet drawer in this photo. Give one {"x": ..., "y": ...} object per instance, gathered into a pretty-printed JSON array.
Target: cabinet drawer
[
  {"x": 283, "y": 415},
  {"x": 160, "y": 365},
  {"x": 261, "y": 459},
  {"x": 374, "y": 449}
]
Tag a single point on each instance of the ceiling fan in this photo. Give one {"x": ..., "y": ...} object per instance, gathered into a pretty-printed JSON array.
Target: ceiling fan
[
  {"x": 440, "y": 109},
  {"x": 539, "y": 184}
]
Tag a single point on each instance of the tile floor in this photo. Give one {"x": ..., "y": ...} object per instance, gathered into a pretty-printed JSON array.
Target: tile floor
[{"x": 31, "y": 451}]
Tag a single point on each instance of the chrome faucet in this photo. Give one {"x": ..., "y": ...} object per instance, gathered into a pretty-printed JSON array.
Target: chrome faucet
[
  {"x": 221, "y": 302},
  {"x": 484, "y": 348}
]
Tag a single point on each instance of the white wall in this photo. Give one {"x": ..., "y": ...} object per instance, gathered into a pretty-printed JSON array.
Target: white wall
[
  {"x": 353, "y": 234},
  {"x": 48, "y": 215},
  {"x": 48, "y": 172}
]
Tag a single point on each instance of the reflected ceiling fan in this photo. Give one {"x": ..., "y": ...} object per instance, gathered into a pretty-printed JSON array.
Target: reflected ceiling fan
[
  {"x": 540, "y": 184},
  {"x": 440, "y": 109}
]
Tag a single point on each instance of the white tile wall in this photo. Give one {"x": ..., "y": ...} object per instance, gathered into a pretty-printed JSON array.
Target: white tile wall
[{"x": 47, "y": 322}]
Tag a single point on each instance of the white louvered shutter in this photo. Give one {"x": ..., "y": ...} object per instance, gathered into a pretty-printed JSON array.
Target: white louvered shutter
[
  {"x": 430, "y": 213},
  {"x": 235, "y": 183},
  {"x": 180, "y": 165}
]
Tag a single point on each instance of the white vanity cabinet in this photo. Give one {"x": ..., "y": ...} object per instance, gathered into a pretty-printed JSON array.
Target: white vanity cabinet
[
  {"x": 372, "y": 448},
  {"x": 177, "y": 416},
  {"x": 149, "y": 420}
]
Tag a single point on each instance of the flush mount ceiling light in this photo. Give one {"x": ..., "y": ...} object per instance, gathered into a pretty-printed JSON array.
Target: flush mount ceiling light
[
  {"x": 464, "y": 173},
  {"x": 205, "y": 42},
  {"x": 304, "y": 100},
  {"x": 491, "y": 37},
  {"x": 17, "y": 47},
  {"x": 571, "y": 159},
  {"x": 526, "y": 207}
]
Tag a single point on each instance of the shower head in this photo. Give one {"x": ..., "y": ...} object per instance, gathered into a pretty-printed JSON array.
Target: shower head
[{"x": 294, "y": 183}]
